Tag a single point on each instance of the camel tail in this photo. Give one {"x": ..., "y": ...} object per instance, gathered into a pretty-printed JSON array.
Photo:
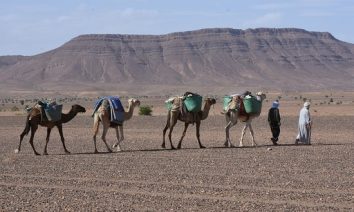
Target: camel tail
[{"x": 27, "y": 127}]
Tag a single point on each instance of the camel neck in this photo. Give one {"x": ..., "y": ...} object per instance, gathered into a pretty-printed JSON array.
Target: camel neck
[
  {"x": 206, "y": 110},
  {"x": 68, "y": 116},
  {"x": 129, "y": 113}
]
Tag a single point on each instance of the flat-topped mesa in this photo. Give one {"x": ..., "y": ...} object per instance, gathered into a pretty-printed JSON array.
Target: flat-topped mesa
[
  {"x": 214, "y": 32},
  {"x": 262, "y": 57}
]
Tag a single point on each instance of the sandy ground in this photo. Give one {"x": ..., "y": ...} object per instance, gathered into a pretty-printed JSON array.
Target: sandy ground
[{"x": 145, "y": 177}]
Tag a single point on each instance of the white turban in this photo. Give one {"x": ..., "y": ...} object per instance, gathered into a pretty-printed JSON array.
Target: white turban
[{"x": 306, "y": 104}]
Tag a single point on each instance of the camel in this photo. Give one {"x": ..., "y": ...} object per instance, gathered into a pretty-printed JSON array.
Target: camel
[
  {"x": 34, "y": 119},
  {"x": 232, "y": 115},
  {"x": 175, "y": 114},
  {"x": 102, "y": 115}
]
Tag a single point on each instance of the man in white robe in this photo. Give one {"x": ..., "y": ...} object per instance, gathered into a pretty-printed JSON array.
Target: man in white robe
[{"x": 304, "y": 135}]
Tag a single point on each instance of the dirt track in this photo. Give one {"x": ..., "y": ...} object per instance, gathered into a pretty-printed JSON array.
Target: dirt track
[{"x": 146, "y": 177}]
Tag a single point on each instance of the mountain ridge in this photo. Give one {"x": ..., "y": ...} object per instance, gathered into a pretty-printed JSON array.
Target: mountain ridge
[{"x": 274, "y": 58}]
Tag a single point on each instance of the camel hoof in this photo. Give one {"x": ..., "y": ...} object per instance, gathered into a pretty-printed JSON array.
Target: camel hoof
[
  {"x": 163, "y": 146},
  {"x": 67, "y": 152},
  {"x": 172, "y": 147},
  {"x": 227, "y": 144},
  {"x": 17, "y": 151},
  {"x": 202, "y": 147},
  {"x": 36, "y": 153},
  {"x": 179, "y": 147},
  {"x": 95, "y": 152}
]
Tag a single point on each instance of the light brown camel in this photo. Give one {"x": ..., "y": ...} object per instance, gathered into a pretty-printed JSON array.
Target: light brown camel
[
  {"x": 34, "y": 119},
  {"x": 102, "y": 115},
  {"x": 190, "y": 118},
  {"x": 232, "y": 115}
]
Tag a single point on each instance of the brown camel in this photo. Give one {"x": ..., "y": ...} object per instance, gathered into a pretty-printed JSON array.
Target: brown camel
[
  {"x": 190, "y": 118},
  {"x": 34, "y": 119},
  {"x": 102, "y": 115},
  {"x": 232, "y": 115}
]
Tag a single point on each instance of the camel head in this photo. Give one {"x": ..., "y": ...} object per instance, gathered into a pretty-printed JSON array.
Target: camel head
[
  {"x": 78, "y": 109},
  {"x": 261, "y": 95},
  {"x": 134, "y": 102},
  {"x": 210, "y": 101}
]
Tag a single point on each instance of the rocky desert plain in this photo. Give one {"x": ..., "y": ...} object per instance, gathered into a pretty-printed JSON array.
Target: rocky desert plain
[{"x": 146, "y": 177}]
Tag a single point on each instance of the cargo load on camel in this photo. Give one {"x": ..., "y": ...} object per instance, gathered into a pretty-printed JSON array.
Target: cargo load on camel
[
  {"x": 191, "y": 101},
  {"x": 113, "y": 105},
  {"x": 188, "y": 103},
  {"x": 246, "y": 103},
  {"x": 50, "y": 111}
]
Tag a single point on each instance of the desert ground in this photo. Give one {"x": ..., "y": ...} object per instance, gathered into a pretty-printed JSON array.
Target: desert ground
[{"x": 145, "y": 177}]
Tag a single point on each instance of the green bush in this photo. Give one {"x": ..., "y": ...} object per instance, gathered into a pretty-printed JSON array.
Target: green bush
[
  {"x": 145, "y": 110},
  {"x": 14, "y": 108}
]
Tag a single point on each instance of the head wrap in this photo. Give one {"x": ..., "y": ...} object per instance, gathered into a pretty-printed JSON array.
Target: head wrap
[
  {"x": 306, "y": 104},
  {"x": 275, "y": 104}
]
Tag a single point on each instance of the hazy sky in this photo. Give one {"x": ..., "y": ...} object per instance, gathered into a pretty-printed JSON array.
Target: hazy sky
[{"x": 30, "y": 27}]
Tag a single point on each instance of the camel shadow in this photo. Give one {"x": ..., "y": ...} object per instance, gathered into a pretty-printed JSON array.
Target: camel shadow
[
  {"x": 211, "y": 147},
  {"x": 114, "y": 152},
  {"x": 280, "y": 145}
]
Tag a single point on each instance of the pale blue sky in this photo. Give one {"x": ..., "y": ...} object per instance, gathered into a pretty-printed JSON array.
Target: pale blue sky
[{"x": 30, "y": 27}]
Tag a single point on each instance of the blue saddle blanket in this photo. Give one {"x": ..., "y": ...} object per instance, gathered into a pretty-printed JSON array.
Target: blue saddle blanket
[{"x": 115, "y": 107}]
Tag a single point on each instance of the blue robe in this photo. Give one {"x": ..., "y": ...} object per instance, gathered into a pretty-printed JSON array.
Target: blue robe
[{"x": 304, "y": 135}]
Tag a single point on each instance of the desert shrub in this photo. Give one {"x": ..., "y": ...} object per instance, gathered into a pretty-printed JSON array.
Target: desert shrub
[
  {"x": 331, "y": 100},
  {"x": 14, "y": 108},
  {"x": 145, "y": 110}
]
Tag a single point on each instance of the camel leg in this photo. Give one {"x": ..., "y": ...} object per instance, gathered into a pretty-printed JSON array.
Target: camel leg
[
  {"x": 103, "y": 137},
  {"x": 60, "y": 128},
  {"x": 163, "y": 145},
  {"x": 242, "y": 134},
  {"x": 252, "y": 135},
  {"x": 96, "y": 125},
  {"x": 47, "y": 141},
  {"x": 172, "y": 125},
  {"x": 183, "y": 134},
  {"x": 25, "y": 132},
  {"x": 33, "y": 131},
  {"x": 119, "y": 139},
  {"x": 197, "y": 127},
  {"x": 227, "y": 131}
]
